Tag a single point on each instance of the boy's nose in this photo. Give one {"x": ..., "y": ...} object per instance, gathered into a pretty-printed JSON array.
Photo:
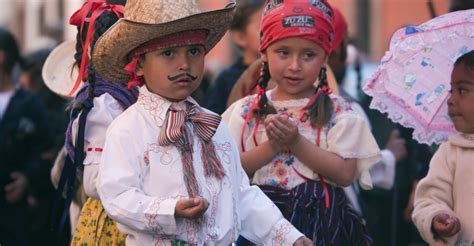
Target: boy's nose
[{"x": 184, "y": 63}]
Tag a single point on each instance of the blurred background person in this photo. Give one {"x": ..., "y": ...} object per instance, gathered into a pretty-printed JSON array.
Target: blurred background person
[
  {"x": 24, "y": 138},
  {"x": 244, "y": 32}
]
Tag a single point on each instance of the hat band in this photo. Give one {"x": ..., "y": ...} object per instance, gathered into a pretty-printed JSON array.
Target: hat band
[{"x": 173, "y": 40}]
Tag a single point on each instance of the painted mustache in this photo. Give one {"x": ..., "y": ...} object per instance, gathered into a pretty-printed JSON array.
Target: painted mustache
[{"x": 173, "y": 78}]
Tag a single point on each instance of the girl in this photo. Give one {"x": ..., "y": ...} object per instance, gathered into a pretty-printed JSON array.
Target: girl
[
  {"x": 443, "y": 199},
  {"x": 96, "y": 104},
  {"x": 300, "y": 144}
]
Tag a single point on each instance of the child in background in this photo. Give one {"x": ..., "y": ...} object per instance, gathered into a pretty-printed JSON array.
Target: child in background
[
  {"x": 443, "y": 201},
  {"x": 244, "y": 32},
  {"x": 298, "y": 142},
  {"x": 95, "y": 105},
  {"x": 171, "y": 173}
]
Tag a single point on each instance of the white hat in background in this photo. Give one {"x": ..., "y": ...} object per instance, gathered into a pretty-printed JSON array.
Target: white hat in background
[{"x": 59, "y": 72}]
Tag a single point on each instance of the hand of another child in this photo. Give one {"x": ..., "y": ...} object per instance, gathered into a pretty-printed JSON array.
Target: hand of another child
[
  {"x": 303, "y": 241},
  {"x": 283, "y": 129},
  {"x": 15, "y": 190},
  {"x": 445, "y": 225},
  {"x": 191, "y": 208}
]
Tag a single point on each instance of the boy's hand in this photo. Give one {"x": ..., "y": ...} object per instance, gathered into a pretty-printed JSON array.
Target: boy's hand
[
  {"x": 444, "y": 225},
  {"x": 191, "y": 208},
  {"x": 303, "y": 241}
]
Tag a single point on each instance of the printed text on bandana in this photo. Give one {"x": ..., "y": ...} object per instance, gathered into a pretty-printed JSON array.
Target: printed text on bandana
[
  {"x": 322, "y": 6},
  {"x": 298, "y": 21}
]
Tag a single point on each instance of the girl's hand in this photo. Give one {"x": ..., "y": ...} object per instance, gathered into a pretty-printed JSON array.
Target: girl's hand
[
  {"x": 191, "y": 208},
  {"x": 444, "y": 225},
  {"x": 273, "y": 135},
  {"x": 303, "y": 241},
  {"x": 284, "y": 129}
]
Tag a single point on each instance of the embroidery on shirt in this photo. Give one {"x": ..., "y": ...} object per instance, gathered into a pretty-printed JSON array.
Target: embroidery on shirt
[
  {"x": 280, "y": 234},
  {"x": 214, "y": 190},
  {"x": 151, "y": 216},
  {"x": 225, "y": 149},
  {"x": 192, "y": 227},
  {"x": 165, "y": 157},
  {"x": 155, "y": 105}
]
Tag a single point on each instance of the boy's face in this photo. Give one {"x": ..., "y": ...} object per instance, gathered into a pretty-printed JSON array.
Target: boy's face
[
  {"x": 173, "y": 73},
  {"x": 461, "y": 100}
]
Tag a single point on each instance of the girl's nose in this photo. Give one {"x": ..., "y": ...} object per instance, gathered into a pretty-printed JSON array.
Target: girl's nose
[{"x": 294, "y": 64}]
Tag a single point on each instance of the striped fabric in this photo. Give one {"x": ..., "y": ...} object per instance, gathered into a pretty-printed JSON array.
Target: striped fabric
[
  {"x": 205, "y": 125},
  {"x": 174, "y": 132},
  {"x": 305, "y": 207}
]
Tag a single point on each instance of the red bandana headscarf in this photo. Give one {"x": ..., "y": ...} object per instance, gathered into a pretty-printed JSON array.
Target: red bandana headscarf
[{"x": 308, "y": 19}]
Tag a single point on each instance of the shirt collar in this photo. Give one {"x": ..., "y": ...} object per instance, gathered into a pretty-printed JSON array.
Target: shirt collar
[{"x": 157, "y": 105}]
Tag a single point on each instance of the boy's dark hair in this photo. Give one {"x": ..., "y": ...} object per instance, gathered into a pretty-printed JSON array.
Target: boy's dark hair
[
  {"x": 245, "y": 9},
  {"x": 319, "y": 111},
  {"x": 457, "y": 5},
  {"x": 9, "y": 46},
  {"x": 466, "y": 59}
]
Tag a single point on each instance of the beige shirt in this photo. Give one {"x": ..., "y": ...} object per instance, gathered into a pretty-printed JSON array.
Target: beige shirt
[{"x": 448, "y": 188}]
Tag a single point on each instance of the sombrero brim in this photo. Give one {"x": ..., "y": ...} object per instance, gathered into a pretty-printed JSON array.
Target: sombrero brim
[
  {"x": 113, "y": 47},
  {"x": 59, "y": 72}
]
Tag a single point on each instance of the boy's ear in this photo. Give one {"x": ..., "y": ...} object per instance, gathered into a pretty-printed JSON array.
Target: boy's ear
[{"x": 139, "y": 69}]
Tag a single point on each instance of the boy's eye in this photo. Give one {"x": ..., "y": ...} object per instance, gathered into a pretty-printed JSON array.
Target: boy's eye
[
  {"x": 194, "y": 51},
  {"x": 167, "y": 53},
  {"x": 462, "y": 91}
]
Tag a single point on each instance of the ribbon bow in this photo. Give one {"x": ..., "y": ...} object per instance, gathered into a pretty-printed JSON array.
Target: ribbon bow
[
  {"x": 173, "y": 131},
  {"x": 79, "y": 18}
]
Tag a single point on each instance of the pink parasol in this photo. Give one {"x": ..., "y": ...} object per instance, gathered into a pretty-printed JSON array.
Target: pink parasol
[{"x": 412, "y": 82}]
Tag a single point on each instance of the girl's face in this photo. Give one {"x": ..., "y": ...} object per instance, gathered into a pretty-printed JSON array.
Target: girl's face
[
  {"x": 173, "y": 73},
  {"x": 294, "y": 64},
  {"x": 461, "y": 100}
]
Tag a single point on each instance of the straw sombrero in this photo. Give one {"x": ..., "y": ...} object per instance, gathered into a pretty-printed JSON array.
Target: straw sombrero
[
  {"x": 59, "y": 72},
  {"x": 145, "y": 20}
]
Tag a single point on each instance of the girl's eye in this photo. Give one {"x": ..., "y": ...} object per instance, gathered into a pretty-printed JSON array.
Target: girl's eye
[
  {"x": 283, "y": 52},
  {"x": 167, "y": 53},
  {"x": 309, "y": 55},
  {"x": 462, "y": 91}
]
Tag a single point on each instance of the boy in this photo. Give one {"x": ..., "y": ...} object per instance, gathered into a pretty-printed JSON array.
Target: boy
[{"x": 170, "y": 171}]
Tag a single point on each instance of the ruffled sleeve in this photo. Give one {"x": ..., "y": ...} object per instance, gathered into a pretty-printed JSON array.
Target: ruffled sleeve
[
  {"x": 234, "y": 117},
  {"x": 350, "y": 137}
]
